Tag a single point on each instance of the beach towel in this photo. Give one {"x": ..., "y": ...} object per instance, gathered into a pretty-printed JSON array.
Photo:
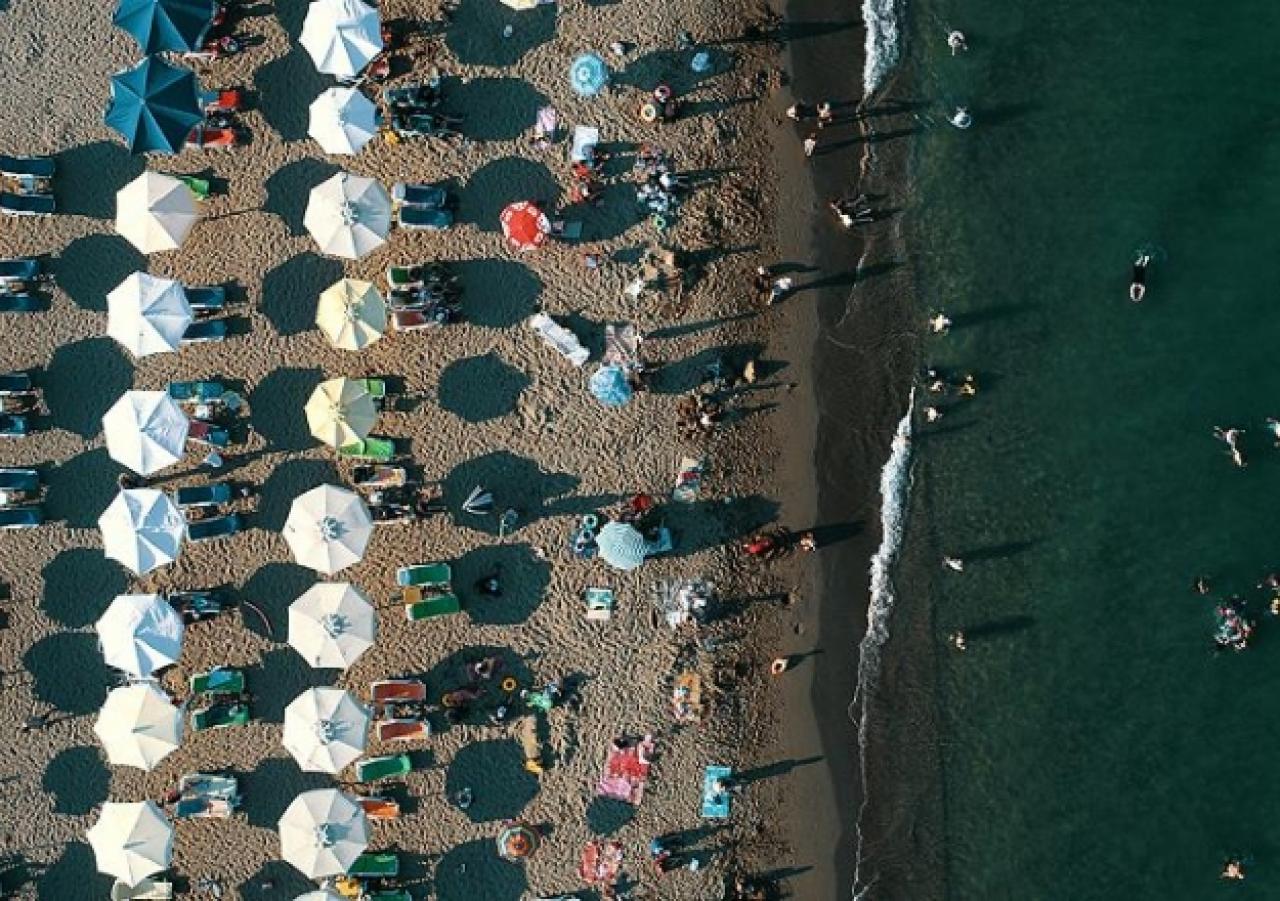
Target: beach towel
[
  {"x": 544, "y": 127},
  {"x": 601, "y": 863},
  {"x": 626, "y": 772},
  {"x": 688, "y": 480},
  {"x": 559, "y": 338}
]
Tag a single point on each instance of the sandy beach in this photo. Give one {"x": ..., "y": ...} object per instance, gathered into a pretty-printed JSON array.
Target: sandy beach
[{"x": 482, "y": 402}]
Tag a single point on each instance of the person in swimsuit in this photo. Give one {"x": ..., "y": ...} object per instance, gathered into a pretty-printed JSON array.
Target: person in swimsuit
[{"x": 1232, "y": 439}]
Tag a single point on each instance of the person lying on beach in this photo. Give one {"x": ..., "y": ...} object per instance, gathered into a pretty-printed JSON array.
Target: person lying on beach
[
  {"x": 1232, "y": 439},
  {"x": 1138, "y": 284}
]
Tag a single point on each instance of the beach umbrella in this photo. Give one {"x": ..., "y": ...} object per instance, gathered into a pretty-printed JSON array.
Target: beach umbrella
[
  {"x": 328, "y": 528},
  {"x": 610, "y": 386},
  {"x": 340, "y": 412},
  {"x": 154, "y": 105},
  {"x": 332, "y": 624},
  {"x": 517, "y": 842},
  {"x": 323, "y": 832},
  {"x": 143, "y": 529},
  {"x": 325, "y": 729},
  {"x": 140, "y": 634},
  {"x": 348, "y": 215},
  {"x": 343, "y": 120},
  {"x": 525, "y": 225},
  {"x": 138, "y": 726},
  {"x": 155, "y": 212},
  {"x": 146, "y": 431},
  {"x": 148, "y": 314},
  {"x": 621, "y": 545},
  {"x": 131, "y": 841},
  {"x": 588, "y": 74},
  {"x": 160, "y": 25},
  {"x": 351, "y": 314},
  {"x": 341, "y": 36}
]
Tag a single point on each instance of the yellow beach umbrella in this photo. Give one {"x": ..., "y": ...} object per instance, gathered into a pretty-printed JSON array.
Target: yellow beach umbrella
[
  {"x": 340, "y": 412},
  {"x": 352, "y": 314}
]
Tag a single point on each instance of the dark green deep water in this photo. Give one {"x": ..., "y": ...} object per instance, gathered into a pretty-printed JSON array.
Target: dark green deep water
[{"x": 1093, "y": 745}]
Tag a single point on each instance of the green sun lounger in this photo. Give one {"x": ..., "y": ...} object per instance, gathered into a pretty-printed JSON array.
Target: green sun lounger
[
  {"x": 375, "y": 865},
  {"x": 376, "y": 388},
  {"x": 371, "y": 450},
  {"x": 435, "y": 605},
  {"x": 199, "y": 186},
  {"x": 374, "y": 768},
  {"x": 220, "y": 716},
  {"x": 425, "y": 574},
  {"x": 220, "y": 681}
]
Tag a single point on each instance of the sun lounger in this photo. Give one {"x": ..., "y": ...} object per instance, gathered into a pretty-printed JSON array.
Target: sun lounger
[
  {"x": 373, "y": 450},
  {"x": 196, "y": 392},
  {"x": 20, "y": 479},
  {"x": 27, "y": 204},
  {"x": 205, "y": 330},
  {"x": 219, "y": 527},
  {"x": 206, "y": 299},
  {"x": 431, "y": 196},
  {"x": 626, "y": 772},
  {"x": 421, "y": 218},
  {"x": 200, "y": 187},
  {"x": 205, "y": 137},
  {"x": 373, "y": 478},
  {"x": 21, "y": 269},
  {"x": 203, "y": 432},
  {"x": 439, "y": 575},
  {"x": 390, "y": 894},
  {"x": 16, "y": 383},
  {"x": 379, "y": 808},
  {"x": 402, "y": 691},
  {"x": 207, "y": 796},
  {"x": 403, "y": 276},
  {"x": 401, "y": 730},
  {"x": 715, "y": 804},
  {"x": 146, "y": 890},
  {"x": 585, "y": 139},
  {"x": 21, "y": 517},
  {"x": 219, "y": 716},
  {"x": 203, "y": 495},
  {"x": 375, "y": 865},
  {"x": 420, "y": 608},
  {"x": 375, "y": 388},
  {"x": 19, "y": 302},
  {"x": 372, "y": 769},
  {"x": 559, "y": 338},
  {"x": 27, "y": 166},
  {"x": 220, "y": 681},
  {"x": 412, "y": 321},
  {"x": 14, "y": 425},
  {"x": 225, "y": 101}
]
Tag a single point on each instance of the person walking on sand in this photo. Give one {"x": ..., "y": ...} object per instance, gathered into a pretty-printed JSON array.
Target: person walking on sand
[
  {"x": 801, "y": 112},
  {"x": 1232, "y": 439},
  {"x": 825, "y": 115},
  {"x": 810, "y": 144}
]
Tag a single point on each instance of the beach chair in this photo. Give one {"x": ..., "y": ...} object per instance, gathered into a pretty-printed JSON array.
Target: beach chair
[
  {"x": 433, "y": 575},
  {"x": 388, "y": 894},
  {"x": 417, "y": 607},
  {"x": 203, "y": 495},
  {"x": 567, "y": 230},
  {"x": 19, "y": 302},
  {"x": 27, "y": 204},
  {"x": 206, "y": 796},
  {"x": 206, "y": 137},
  {"x": 218, "y": 681},
  {"x": 403, "y": 276},
  {"x": 21, "y": 269},
  {"x": 430, "y": 196},
  {"x": 21, "y": 517},
  {"x": 27, "y": 166},
  {"x": 376, "y": 478},
  {"x": 203, "y": 432},
  {"x": 219, "y": 716},
  {"x": 375, "y": 865},
  {"x": 715, "y": 804},
  {"x": 401, "y": 730},
  {"x": 398, "y": 691},
  {"x": 412, "y": 321},
  {"x": 380, "y": 808},
  {"x": 19, "y": 487},
  {"x": 228, "y": 100},
  {"x": 199, "y": 187},
  {"x": 146, "y": 890},
  {"x": 219, "y": 527},
  {"x": 206, "y": 300},
  {"x": 16, "y": 383},
  {"x": 14, "y": 425},
  {"x": 370, "y": 450},
  {"x": 205, "y": 330},
  {"x": 583, "y": 146},
  {"x": 374, "y": 769},
  {"x": 196, "y": 392},
  {"x": 375, "y": 388},
  {"x": 421, "y": 218}
]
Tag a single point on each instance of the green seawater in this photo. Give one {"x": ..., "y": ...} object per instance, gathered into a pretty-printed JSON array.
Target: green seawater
[{"x": 1094, "y": 745}]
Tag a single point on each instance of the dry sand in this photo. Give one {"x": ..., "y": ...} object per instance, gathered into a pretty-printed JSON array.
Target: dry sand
[{"x": 490, "y": 405}]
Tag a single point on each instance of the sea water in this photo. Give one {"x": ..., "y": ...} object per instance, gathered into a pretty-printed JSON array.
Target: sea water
[{"x": 1094, "y": 745}]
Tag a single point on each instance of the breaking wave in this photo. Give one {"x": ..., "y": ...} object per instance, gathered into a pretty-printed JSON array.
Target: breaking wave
[{"x": 884, "y": 42}]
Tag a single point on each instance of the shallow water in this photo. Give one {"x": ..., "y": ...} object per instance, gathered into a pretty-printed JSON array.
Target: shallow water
[{"x": 1094, "y": 746}]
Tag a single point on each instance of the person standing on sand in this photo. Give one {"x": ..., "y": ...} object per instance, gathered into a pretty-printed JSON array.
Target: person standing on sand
[
  {"x": 801, "y": 112},
  {"x": 825, "y": 116},
  {"x": 810, "y": 144}
]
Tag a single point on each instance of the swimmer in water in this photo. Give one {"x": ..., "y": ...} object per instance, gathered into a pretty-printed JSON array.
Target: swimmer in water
[
  {"x": 957, "y": 43},
  {"x": 940, "y": 324},
  {"x": 1232, "y": 439},
  {"x": 961, "y": 118},
  {"x": 1273, "y": 425},
  {"x": 1200, "y": 585},
  {"x": 968, "y": 387},
  {"x": 932, "y": 414},
  {"x": 1138, "y": 285}
]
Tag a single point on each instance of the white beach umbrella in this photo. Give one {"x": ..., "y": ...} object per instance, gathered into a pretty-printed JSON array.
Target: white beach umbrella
[
  {"x": 140, "y": 634},
  {"x": 323, "y": 832},
  {"x": 138, "y": 726},
  {"x": 143, "y": 529},
  {"x": 155, "y": 212},
  {"x": 351, "y": 314},
  {"x": 328, "y": 528},
  {"x": 332, "y": 624},
  {"x": 325, "y": 729},
  {"x": 148, "y": 314},
  {"x": 348, "y": 215},
  {"x": 341, "y": 36},
  {"x": 131, "y": 841},
  {"x": 340, "y": 412},
  {"x": 343, "y": 120},
  {"x": 146, "y": 431}
]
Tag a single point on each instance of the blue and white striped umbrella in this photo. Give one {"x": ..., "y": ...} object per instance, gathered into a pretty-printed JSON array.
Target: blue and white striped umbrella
[
  {"x": 609, "y": 385},
  {"x": 621, "y": 546},
  {"x": 588, "y": 75}
]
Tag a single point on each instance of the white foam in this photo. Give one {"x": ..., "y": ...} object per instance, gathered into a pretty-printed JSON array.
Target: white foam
[{"x": 884, "y": 42}]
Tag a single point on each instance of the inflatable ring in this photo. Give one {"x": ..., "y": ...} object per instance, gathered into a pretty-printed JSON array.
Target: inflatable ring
[
  {"x": 649, "y": 113},
  {"x": 509, "y": 684},
  {"x": 447, "y": 701},
  {"x": 662, "y": 93},
  {"x": 660, "y": 222}
]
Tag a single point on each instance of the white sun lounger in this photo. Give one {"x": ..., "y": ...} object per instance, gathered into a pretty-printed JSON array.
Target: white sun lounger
[{"x": 559, "y": 338}]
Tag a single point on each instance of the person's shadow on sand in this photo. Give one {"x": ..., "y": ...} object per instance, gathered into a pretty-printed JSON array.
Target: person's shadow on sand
[{"x": 476, "y": 31}]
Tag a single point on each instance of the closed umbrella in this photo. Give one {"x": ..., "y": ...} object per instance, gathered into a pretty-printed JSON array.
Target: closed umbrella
[
  {"x": 341, "y": 36},
  {"x": 323, "y": 832},
  {"x": 621, "y": 545},
  {"x": 154, "y": 106},
  {"x": 332, "y": 624},
  {"x": 138, "y": 726},
  {"x": 325, "y": 729},
  {"x": 348, "y": 215},
  {"x": 588, "y": 74},
  {"x": 160, "y": 25},
  {"x": 140, "y": 634},
  {"x": 343, "y": 120},
  {"x": 131, "y": 841},
  {"x": 148, "y": 314},
  {"x": 351, "y": 314},
  {"x": 340, "y": 412},
  {"x": 328, "y": 528},
  {"x": 146, "y": 431},
  {"x": 143, "y": 529},
  {"x": 525, "y": 225},
  {"x": 610, "y": 386},
  {"x": 155, "y": 212}
]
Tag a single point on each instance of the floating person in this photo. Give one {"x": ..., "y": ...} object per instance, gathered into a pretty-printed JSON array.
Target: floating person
[
  {"x": 932, "y": 414},
  {"x": 957, "y": 43},
  {"x": 825, "y": 114},
  {"x": 956, "y": 640},
  {"x": 810, "y": 144},
  {"x": 962, "y": 118},
  {"x": 1233, "y": 869},
  {"x": 1200, "y": 585},
  {"x": 1232, "y": 439},
  {"x": 940, "y": 323},
  {"x": 1138, "y": 284}
]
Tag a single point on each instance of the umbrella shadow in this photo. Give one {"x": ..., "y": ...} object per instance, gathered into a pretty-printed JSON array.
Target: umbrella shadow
[
  {"x": 286, "y": 482},
  {"x": 74, "y": 576},
  {"x": 501, "y": 182},
  {"x": 276, "y": 404},
  {"x": 493, "y": 109},
  {"x": 615, "y": 214},
  {"x": 77, "y": 403},
  {"x": 77, "y": 779},
  {"x": 472, "y": 870},
  {"x": 272, "y": 588},
  {"x": 683, "y": 376},
  {"x": 16, "y": 872},
  {"x": 89, "y": 176},
  {"x": 497, "y": 293},
  {"x": 279, "y": 677},
  {"x": 289, "y": 189},
  {"x": 495, "y": 773},
  {"x": 707, "y": 524},
  {"x": 290, "y": 291},
  {"x": 68, "y": 672},
  {"x": 606, "y": 816},
  {"x": 475, "y": 33},
  {"x": 91, "y": 267},
  {"x": 69, "y": 876},
  {"x": 275, "y": 879},
  {"x": 523, "y": 576},
  {"x": 282, "y": 83},
  {"x": 478, "y": 389},
  {"x": 517, "y": 483},
  {"x": 80, "y": 489},
  {"x": 270, "y": 788}
]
